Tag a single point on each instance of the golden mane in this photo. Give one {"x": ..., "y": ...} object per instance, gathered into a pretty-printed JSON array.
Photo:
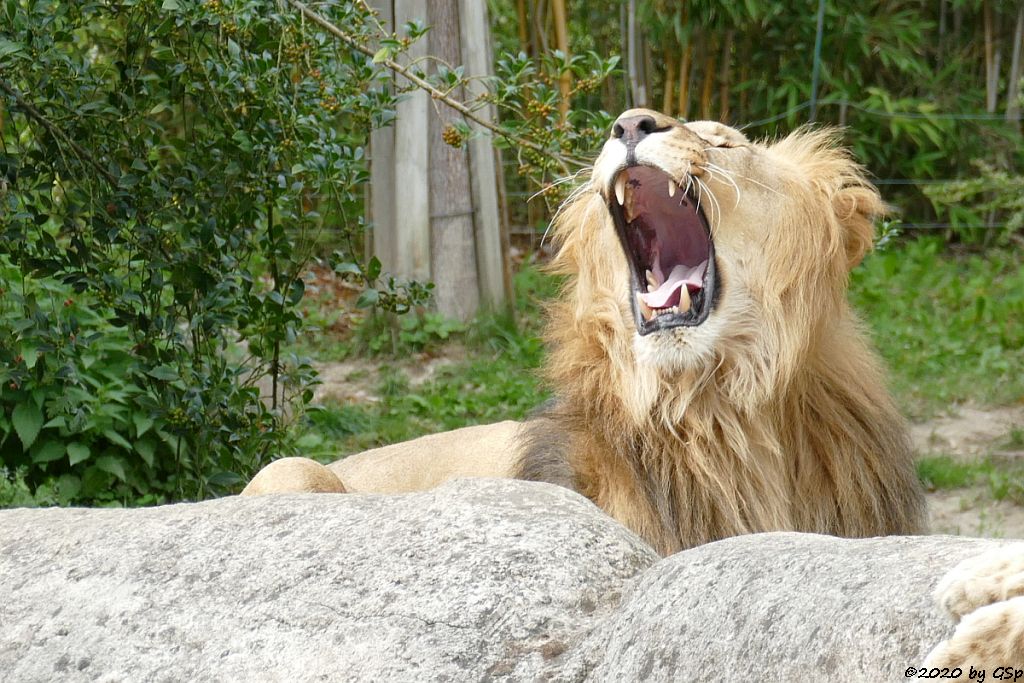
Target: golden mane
[{"x": 787, "y": 426}]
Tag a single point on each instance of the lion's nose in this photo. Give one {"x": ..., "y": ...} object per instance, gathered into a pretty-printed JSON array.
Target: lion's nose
[{"x": 633, "y": 129}]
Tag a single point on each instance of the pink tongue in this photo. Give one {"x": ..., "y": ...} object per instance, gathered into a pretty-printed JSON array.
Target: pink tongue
[{"x": 668, "y": 293}]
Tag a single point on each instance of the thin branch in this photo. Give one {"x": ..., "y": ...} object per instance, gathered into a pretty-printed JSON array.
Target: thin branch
[
  {"x": 434, "y": 92},
  {"x": 56, "y": 132}
]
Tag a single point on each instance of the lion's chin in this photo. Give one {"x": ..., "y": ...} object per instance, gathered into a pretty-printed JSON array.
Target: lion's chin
[{"x": 683, "y": 349}]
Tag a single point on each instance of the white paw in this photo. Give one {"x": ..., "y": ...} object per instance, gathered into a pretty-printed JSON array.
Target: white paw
[
  {"x": 982, "y": 580},
  {"x": 987, "y": 638},
  {"x": 986, "y": 595}
]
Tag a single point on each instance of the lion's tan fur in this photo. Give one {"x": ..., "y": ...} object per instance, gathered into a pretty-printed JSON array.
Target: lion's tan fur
[
  {"x": 789, "y": 425},
  {"x": 771, "y": 415}
]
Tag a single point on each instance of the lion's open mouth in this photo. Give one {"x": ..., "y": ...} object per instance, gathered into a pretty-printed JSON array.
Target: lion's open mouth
[{"x": 668, "y": 246}]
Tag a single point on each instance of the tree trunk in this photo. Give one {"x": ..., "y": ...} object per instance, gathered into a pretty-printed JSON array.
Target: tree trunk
[
  {"x": 1013, "y": 89},
  {"x": 452, "y": 247},
  {"x": 723, "y": 79},
  {"x": 562, "y": 43}
]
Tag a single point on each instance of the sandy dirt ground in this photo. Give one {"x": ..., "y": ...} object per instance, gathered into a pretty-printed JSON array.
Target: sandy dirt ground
[{"x": 970, "y": 435}]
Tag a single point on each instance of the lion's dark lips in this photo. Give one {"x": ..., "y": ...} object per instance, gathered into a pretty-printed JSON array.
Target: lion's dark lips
[{"x": 666, "y": 241}]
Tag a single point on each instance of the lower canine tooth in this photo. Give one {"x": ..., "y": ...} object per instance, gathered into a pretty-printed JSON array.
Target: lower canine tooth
[
  {"x": 684, "y": 299},
  {"x": 651, "y": 280},
  {"x": 645, "y": 310}
]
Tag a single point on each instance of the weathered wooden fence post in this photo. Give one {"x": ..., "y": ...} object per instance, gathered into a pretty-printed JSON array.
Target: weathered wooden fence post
[{"x": 435, "y": 208}]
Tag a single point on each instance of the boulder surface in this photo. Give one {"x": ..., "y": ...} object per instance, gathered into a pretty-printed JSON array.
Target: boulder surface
[{"x": 475, "y": 580}]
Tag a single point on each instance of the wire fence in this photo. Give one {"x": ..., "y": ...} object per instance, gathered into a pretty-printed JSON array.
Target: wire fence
[{"x": 882, "y": 182}]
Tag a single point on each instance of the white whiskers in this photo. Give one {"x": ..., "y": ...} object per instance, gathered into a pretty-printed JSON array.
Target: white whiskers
[
  {"x": 743, "y": 177},
  {"x": 711, "y": 168},
  {"x": 573, "y": 196}
]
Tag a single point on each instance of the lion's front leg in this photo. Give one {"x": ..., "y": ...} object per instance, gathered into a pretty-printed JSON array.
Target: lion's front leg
[
  {"x": 986, "y": 594},
  {"x": 479, "y": 451},
  {"x": 294, "y": 475}
]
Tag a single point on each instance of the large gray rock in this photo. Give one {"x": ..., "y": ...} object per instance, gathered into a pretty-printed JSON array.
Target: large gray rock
[
  {"x": 782, "y": 607},
  {"x": 476, "y": 580}
]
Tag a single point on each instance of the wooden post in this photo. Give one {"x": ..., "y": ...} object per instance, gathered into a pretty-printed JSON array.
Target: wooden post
[
  {"x": 382, "y": 176},
  {"x": 435, "y": 208},
  {"x": 452, "y": 248},
  {"x": 412, "y": 164},
  {"x": 491, "y": 252}
]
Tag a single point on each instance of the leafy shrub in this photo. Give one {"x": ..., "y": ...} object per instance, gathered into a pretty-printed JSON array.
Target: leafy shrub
[{"x": 164, "y": 167}]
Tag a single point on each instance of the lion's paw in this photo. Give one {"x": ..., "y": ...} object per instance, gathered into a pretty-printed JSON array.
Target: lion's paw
[
  {"x": 982, "y": 580},
  {"x": 990, "y": 637},
  {"x": 986, "y": 595}
]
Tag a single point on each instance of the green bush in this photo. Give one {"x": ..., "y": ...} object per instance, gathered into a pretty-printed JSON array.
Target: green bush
[
  {"x": 165, "y": 167},
  {"x": 84, "y": 418}
]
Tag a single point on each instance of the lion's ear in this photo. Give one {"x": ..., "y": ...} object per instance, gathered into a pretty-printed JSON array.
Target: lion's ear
[{"x": 857, "y": 207}]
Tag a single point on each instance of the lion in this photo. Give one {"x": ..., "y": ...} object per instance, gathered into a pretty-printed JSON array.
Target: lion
[{"x": 709, "y": 376}]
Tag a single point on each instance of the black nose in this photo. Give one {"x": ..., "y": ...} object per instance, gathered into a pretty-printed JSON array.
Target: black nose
[{"x": 633, "y": 129}]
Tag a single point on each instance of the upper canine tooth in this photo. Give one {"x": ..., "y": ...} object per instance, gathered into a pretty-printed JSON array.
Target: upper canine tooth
[
  {"x": 671, "y": 188},
  {"x": 620, "y": 188}
]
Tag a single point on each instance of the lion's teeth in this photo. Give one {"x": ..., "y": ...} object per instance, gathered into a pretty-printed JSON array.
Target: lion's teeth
[
  {"x": 645, "y": 310},
  {"x": 671, "y": 188},
  {"x": 620, "y": 189},
  {"x": 684, "y": 299},
  {"x": 652, "y": 282}
]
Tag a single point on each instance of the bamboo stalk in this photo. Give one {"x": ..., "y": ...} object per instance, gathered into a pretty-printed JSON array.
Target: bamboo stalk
[
  {"x": 562, "y": 43},
  {"x": 683, "y": 101},
  {"x": 990, "y": 71},
  {"x": 523, "y": 26},
  {"x": 670, "y": 81},
  {"x": 1013, "y": 91},
  {"x": 709, "y": 81},
  {"x": 723, "y": 78}
]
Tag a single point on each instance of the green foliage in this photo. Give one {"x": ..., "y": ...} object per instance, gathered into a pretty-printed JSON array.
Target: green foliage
[
  {"x": 949, "y": 325},
  {"x": 165, "y": 168},
  {"x": 1001, "y": 479},
  {"x": 527, "y": 94},
  {"x": 905, "y": 78},
  {"x": 14, "y": 492},
  {"x": 407, "y": 334},
  {"x": 943, "y": 472},
  {"x": 972, "y": 201}
]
